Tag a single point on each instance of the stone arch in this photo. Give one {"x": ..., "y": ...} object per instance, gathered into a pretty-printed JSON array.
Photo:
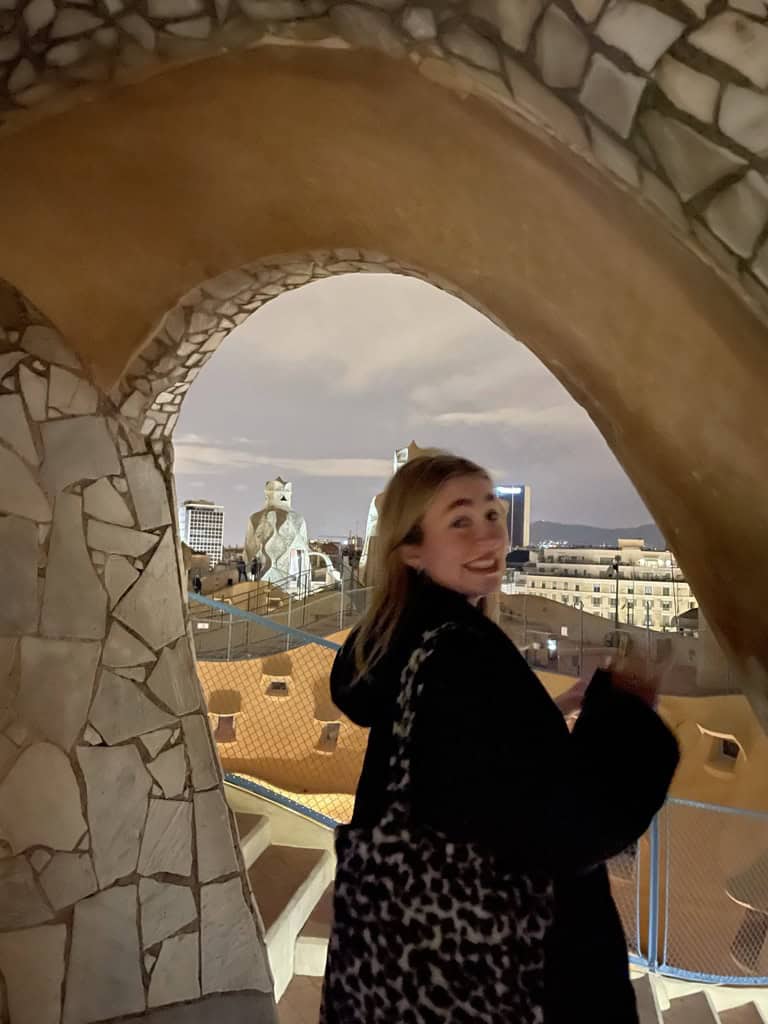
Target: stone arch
[
  {"x": 121, "y": 879},
  {"x": 669, "y": 104}
]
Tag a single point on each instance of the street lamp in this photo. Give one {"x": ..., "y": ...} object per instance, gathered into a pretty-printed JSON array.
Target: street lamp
[
  {"x": 615, "y": 565},
  {"x": 579, "y": 602}
]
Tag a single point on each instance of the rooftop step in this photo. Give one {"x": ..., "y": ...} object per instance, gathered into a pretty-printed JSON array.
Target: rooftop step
[
  {"x": 287, "y": 883},
  {"x": 312, "y": 943},
  {"x": 648, "y": 1008},
  {"x": 747, "y": 1014},
  {"x": 697, "y": 1008},
  {"x": 255, "y": 832},
  {"x": 301, "y": 1002}
]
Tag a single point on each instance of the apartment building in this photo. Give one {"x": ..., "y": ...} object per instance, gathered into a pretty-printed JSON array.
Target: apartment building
[{"x": 648, "y": 586}]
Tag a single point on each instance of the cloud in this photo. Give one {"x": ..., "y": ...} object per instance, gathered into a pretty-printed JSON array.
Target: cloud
[
  {"x": 356, "y": 331},
  {"x": 188, "y": 439},
  {"x": 553, "y": 418},
  {"x": 360, "y": 364},
  {"x": 212, "y": 459}
]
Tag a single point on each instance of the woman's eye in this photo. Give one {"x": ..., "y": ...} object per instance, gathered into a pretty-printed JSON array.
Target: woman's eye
[
  {"x": 493, "y": 514},
  {"x": 460, "y": 522}
]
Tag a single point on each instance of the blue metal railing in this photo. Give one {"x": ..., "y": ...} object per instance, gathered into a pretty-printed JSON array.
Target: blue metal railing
[
  {"x": 258, "y": 789},
  {"x": 238, "y": 613},
  {"x": 653, "y": 890},
  {"x": 706, "y": 849}
]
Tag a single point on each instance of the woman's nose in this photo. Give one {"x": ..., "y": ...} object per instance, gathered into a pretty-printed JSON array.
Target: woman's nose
[{"x": 491, "y": 533}]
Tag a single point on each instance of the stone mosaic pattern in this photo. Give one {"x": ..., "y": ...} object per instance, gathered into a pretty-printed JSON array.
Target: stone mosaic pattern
[
  {"x": 120, "y": 870},
  {"x": 669, "y": 98}
]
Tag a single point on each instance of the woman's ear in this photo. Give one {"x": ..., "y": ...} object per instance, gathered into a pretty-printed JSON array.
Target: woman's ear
[{"x": 411, "y": 556}]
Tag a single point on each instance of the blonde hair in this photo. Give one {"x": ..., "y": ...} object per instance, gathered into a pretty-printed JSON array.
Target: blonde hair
[{"x": 403, "y": 505}]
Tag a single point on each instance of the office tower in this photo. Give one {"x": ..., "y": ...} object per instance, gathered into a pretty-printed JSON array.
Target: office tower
[
  {"x": 202, "y": 528},
  {"x": 517, "y": 498}
]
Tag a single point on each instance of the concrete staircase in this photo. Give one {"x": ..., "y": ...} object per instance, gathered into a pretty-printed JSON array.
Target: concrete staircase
[
  {"x": 287, "y": 883},
  {"x": 290, "y": 867},
  {"x": 695, "y": 1008}
]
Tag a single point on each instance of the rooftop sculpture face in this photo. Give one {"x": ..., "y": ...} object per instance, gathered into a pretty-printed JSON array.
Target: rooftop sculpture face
[{"x": 278, "y": 494}]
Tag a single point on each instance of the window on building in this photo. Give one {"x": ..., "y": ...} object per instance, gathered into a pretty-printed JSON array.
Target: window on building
[
  {"x": 597, "y": 588},
  {"x": 665, "y": 620},
  {"x": 666, "y": 591},
  {"x": 564, "y": 598},
  {"x": 565, "y": 586},
  {"x": 555, "y": 584},
  {"x": 648, "y": 590},
  {"x": 596, "y": 602},
  {"x": 577, "y": 586},
  {"x": 666, "y": 606}
]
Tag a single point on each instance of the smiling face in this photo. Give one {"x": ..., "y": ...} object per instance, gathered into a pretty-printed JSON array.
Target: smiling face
[{"x": 464, "y": 538}]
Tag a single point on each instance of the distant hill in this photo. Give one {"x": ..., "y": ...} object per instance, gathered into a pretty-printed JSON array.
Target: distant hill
[{"x": 595, "y": 536}]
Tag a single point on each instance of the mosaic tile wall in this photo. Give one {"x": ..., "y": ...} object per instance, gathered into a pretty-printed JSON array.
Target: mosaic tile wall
[{"x": 121, "y": 884}]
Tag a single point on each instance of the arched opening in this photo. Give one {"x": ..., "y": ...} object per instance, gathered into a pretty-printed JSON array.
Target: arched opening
[
  {"x": 298, "y": 391},
  {"x": 151, "y": 391}
]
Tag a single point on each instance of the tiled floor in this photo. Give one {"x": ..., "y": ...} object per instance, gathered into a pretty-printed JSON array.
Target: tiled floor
[{"x": 301, "y": 1002}]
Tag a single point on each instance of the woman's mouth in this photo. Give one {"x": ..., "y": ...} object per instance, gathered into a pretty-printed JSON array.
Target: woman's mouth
[{"x": 484, "y": 566}]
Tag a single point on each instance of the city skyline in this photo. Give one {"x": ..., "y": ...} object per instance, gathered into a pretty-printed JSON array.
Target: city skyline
[{"x": 295, "y": 392}]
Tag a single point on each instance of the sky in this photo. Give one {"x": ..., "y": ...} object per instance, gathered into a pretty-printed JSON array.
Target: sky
[{"x": 323, "y": 383}]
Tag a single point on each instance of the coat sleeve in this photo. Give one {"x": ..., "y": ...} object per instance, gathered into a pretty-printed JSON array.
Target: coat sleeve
[{"x": 493, "y": 762}]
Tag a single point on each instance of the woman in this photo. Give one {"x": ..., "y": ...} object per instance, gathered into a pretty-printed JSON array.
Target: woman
[{"x": 472, "y": 759}]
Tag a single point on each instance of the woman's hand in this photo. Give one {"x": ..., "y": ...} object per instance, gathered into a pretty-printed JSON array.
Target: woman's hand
[
  {"x": 634, "y": 675},
  {"x": 570, "y": 701}
]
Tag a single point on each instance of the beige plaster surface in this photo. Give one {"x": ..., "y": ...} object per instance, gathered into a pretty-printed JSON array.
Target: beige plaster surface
[{"x": 276, "y": 736}]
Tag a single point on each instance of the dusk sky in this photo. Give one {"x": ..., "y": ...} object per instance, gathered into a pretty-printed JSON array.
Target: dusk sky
[{"x": 322, "y": 384}]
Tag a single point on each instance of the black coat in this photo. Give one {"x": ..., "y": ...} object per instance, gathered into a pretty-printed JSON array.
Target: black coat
[{"x": 494, "y": 762}]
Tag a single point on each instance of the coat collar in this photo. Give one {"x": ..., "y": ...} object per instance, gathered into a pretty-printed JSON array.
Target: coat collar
[{"x": 430, "y": 605}]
